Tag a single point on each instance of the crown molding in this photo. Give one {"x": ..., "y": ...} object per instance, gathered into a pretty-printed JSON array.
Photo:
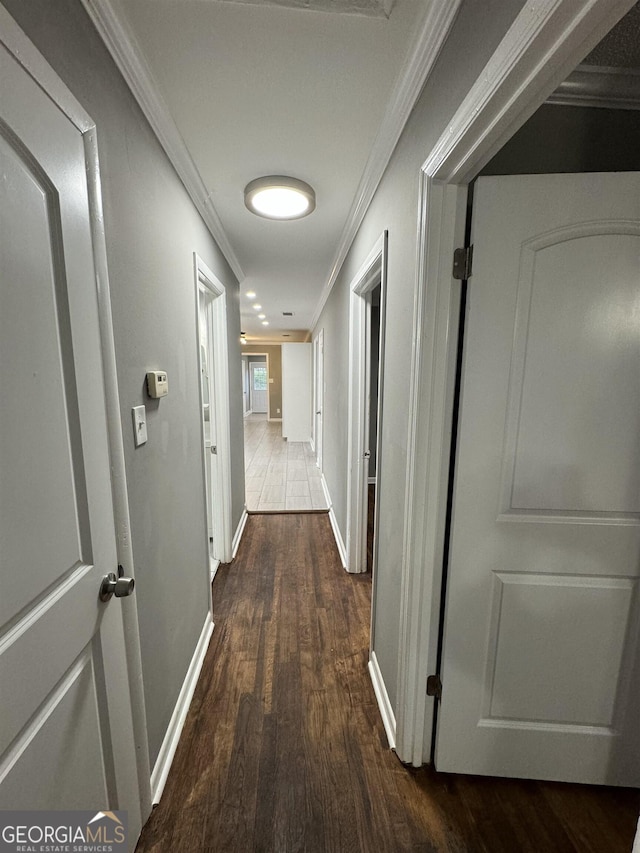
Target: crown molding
[
  {"x": 125, "y": 50},
  {"x": 431, "y": 33},
  {"x": 595, "y": 86}
]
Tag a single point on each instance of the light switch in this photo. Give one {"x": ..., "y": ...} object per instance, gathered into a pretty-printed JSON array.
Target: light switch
[{"x": 139, "y": 424}]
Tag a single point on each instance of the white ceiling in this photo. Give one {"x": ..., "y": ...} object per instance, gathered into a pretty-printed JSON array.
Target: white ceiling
[{"x": 259, "y": 88}]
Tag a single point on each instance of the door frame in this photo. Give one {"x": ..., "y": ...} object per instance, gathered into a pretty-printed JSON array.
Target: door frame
[
  {"x": 266, "y": 355},
  {"x": 544, "y": 44},
  {"x": 28, "y": 56},
  {"x": 207, "y": 281},
  {"x": 372, "y": 272}
]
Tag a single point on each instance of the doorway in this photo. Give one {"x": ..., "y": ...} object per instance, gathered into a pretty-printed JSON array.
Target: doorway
[
  {"x": 495, "y": 108},
  {"x": 258, "y": 385},
  {"x": 214, "y": 400},
  {"x": 366, "y": 335}
]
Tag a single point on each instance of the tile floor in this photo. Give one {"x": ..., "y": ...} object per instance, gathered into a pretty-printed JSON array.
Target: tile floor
[{"x": 279, "y": 475}]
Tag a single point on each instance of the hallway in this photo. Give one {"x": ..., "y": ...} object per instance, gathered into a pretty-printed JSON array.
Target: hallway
[
  {"x": 283, "y": 748},
  {"x": 279, "y": 475}
]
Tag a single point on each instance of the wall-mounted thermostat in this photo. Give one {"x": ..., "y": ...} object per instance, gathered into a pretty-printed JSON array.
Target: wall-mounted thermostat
[{"x": 157, "y": 385}]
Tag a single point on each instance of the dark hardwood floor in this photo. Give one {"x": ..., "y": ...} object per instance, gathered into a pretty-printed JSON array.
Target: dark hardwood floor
[{"x": 283, "y": 749}]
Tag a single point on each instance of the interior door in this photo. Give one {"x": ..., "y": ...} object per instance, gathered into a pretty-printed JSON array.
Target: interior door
[
  {"x": 206, "y": 376},
  {"x": 319, "y": 397},
  {"x": 540, "y": 657},
  {"x": 259, "y": 386},
  {"x": 66, "y": 735}
]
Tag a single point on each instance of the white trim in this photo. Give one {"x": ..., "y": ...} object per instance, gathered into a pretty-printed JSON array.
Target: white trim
[
  {"x": 237, "y": 536},
  {"x": 431, "y": 34},
  {"x": 372, "y": 271},
  {"x": 342, "y": 551},
  {"x": 205, "y": 278},
  {"x": 28, "y": 56},
  {"x": 214, "y": 565},
  {"x": 545, "y": 42},
  {"x": 384, "y": 703},
  {"x": 125, "y": 50},
  {"x": 594, "y": 86},
  {"x": 371, "y": 481},
  {"x": 325, "y": 489},
  {"x": 176, "y": 724}
]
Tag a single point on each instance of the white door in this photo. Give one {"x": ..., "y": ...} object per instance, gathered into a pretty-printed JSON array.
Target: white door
[
  {"x": 66, "y": 736},
  {"x": 540, "y": 669},
  {"x": 319, "y": 396},
  {"x": 259, "y": 386},
  {"x": 208, "y": 415}
]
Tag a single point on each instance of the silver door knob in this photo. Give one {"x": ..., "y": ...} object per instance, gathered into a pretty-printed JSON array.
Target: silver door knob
[{"x": 117, "y": 585}]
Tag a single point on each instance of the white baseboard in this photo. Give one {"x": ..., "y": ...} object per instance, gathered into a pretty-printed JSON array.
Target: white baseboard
[
  {"x": 174, "y": 730},
  {"x": 325, "y": 489},
  {"x": 213, "y": 567},
  {"x": 237, "y": 536},
  {"x": 274, "y": 420},
  {"x": 338, "y": 537},
  {"x": 372, "y": 481},
  {"x": 386, "y": 711},
  {"x": 334, "y": 524}
]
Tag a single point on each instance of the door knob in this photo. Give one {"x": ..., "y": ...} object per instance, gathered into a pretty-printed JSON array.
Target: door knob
[{"x": 116, "y": 585}]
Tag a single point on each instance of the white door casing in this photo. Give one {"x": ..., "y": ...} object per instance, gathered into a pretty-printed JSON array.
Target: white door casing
[
  {"x": 65, "y": 673},
  {"x": 371, "y": 274},
  {"x": 544, "y": 44},
  {"x": 211, "y": 322},
  {"x": 540, "y": 648}
]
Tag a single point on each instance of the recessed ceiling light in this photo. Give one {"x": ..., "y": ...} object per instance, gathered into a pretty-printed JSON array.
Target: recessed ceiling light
[
  {"x": 261, "y": 316},
  {"x": 279, "y": 197},
  {"x": 250, "y": 294},
  {"x": 257, "y": 307},
  {"x": 265, "y": 322}
]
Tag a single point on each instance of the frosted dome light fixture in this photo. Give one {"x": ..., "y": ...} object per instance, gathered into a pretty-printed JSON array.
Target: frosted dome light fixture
[{"x": 279, "y": 197}]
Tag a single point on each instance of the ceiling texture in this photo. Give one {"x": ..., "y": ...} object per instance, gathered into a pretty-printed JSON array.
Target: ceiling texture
[{"x": 314, "y": 89}]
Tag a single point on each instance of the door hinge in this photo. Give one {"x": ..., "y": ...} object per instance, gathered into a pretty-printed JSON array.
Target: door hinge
[
  {"x": 462, "y": 263},
  {"x": 434, "y": 686}
]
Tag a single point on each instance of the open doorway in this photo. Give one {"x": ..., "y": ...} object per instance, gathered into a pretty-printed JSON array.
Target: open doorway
[
  {"x": 365, "y": 396},
  {"x": 214, "y": 397},
  {"x": 494, "y": 110}
]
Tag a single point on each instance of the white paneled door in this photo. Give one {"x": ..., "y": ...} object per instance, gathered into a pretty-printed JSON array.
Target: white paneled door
[
  {"x": 66, "y": 736},
  {"x": 540, "y": 660}
]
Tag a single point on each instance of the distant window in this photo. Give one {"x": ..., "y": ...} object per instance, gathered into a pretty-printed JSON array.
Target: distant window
[{"x": 259, "y": 378}]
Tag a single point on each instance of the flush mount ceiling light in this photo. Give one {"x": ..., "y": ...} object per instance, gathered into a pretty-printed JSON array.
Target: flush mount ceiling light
[{"x": 279, "y": 197}]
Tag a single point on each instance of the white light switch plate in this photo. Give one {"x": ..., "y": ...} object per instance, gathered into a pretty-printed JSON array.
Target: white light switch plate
[{"x": 139, "y": 425}]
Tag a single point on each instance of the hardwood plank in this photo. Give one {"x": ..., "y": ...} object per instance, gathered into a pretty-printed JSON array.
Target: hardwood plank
[{"x": 284, "y": 750}]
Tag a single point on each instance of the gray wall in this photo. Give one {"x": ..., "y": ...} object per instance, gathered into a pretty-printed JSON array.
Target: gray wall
[
  {"x": 152, "y": 230},
  {"x": 275, "y": 372},
  {"x": 478, "y": 29}
]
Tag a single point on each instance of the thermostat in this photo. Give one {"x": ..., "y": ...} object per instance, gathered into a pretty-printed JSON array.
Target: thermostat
[{"x": 157, "y": 385}]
